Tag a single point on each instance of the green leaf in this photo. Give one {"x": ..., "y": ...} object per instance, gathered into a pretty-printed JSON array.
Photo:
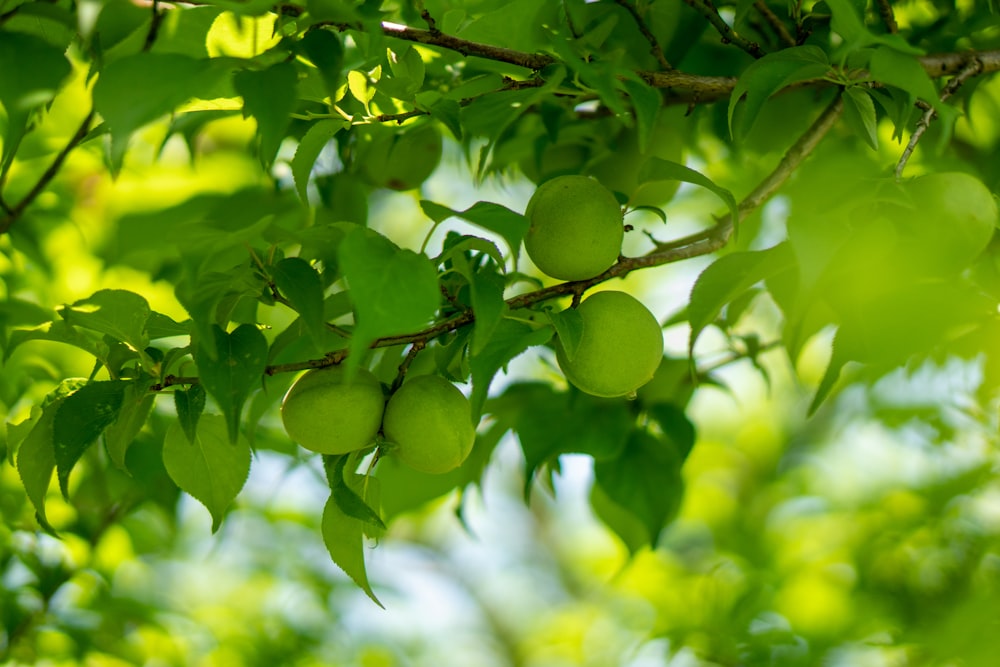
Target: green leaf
[
  {"x": 301, "y": 284},
  {"x": 36, "y": 460},
  {"x": 727, "y": 278},
  {"x": 269, "y": 96},
  {"x": 118, "y": 313},
  {"x": 859, "y": 113},
  {"x": 911, "y": 319},
  {"x": 393, "y": 290},
  {"x": 658, "y": 169},
  {"x": 645, "y": 480},
  {"x": 326, "y": 52},
  {"x": 80, "y": 419},
  {"x": 344, "y": 539},
  {"x": 569, "y": 328},
  {"x": 137, "y": 403},
  {"x": 511, "y": 226},
  {"x": 59, "y": 332},
  {"x": 137, "y": 89},
  {"x": 349, "y": 502},
  {"x": 768, "y": 75},
  {"x": 486, "y": 289},
  {"x": 904, "y": 71},
  {"x": 33, "y": 71},
  {"x": 509, "y": 339},
  {"x": 646, "y": 102},
  {"x": 162, "y": 326},
  {"x": 319, "y": 135},
  {"x": 405, "y": 489},
  {"x": 848, "y": 24},
  {"x": 190, "y": 404},
  {"x": 550, "y": 423},
  {"x": 235, "y": 369},
  {"x": 212, "y": 468}
]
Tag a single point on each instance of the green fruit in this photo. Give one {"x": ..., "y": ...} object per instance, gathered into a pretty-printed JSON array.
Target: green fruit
[
  {"x": 429, "y": 421},
  {"x": 325, "y": 415},
  {"x": 400, "y": 160},
  {"x": 952, "y": 219},
  {"x": 620, "y": 348},
  {"x": 575, "y": 228}
]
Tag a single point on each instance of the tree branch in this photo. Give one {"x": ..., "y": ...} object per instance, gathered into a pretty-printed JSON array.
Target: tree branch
[
  {"x": 888, "y": 16},
  {"x": 655, "y": 48},
  {"x": 50, "y": 173},
  {"x": 776, "y": 25},
  {"x": 729, "y": 36},
  {"x": 971, "y": 69}
]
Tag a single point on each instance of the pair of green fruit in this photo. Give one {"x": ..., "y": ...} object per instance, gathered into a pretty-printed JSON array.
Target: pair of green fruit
[
  {"x": 427, "y": 422},
  {"x": 575, "y": 232}
]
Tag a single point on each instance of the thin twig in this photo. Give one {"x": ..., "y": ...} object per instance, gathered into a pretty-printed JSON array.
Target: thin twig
[
  {"x": 426, "y": 16},
  {"x": 776, "y": 24},
  {"x": 655, "y": 48},
  {"x": 404, "y": 366},
  {"x": 729, "y": 35},
  {"x": 46, "y": 177},
  {"x": 973, "y": 68},
  {"x": 888, "y": 15}
]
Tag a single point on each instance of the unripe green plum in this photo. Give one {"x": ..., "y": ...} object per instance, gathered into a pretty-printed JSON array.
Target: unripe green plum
[
  {"x": 575, "y": 228},
  {"x": 620, "y": 348},
  {"x": 400, "y": 160},
  {"x": 428, "y": 421},
  {"x": 325, "y": 414}
]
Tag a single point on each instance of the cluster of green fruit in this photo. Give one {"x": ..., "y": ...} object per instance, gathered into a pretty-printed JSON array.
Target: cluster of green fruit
[
  {"x": 575, "y": 233},
  {"x": 426, "y": 423}
]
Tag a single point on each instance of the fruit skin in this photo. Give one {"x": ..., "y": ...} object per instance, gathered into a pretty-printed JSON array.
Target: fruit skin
[
  {"x": 953, "y": 218},
  {"x": 429, "y": 420},
  {"x": 400, "y": 161},
  {"x": 620, "y": 348},
  {"x": 576, "y": 228},
  {"x": 325, "y": 415}
]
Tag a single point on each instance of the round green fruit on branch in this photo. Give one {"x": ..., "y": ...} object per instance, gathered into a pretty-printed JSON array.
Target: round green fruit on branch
[
  {"x": 428, "y": 423},
  {"x": 619, "y": 350},
  {"x": 325, "y": 414},
  {"x": 953, "y": 219},
  {"x": 575, "y": 228},
  {"x": 399, "y": 160}
]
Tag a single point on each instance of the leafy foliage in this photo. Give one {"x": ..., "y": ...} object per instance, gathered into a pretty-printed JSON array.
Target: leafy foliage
[{"x": 216, "y": 159}]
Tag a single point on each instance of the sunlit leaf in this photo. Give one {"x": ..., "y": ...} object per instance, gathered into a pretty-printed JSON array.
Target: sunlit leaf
[
  {"x": 727, "y": 278},
  {"x": 393, "y": 290},
  {"x": 212, "y": 468}
]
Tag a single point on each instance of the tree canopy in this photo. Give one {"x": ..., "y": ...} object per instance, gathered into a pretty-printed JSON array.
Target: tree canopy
[{"x": 201, "y": 200}]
